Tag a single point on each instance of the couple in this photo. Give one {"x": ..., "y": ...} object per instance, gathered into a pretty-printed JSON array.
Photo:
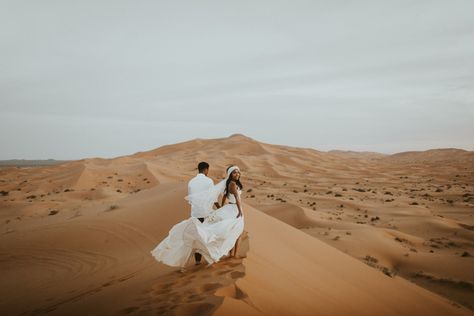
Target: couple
[{"x": 208, "y": 233}]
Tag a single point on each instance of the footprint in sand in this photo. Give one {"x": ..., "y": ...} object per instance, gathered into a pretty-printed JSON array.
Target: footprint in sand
[
  {"x": 236, "y": 275},
  {"x": 108, "y": 284},
  {"x": 211, "y": 287},
  {"x": 194, "y": 292},
  {"x": 131, "y": 309},
  {"x": 223, "y": 272}
]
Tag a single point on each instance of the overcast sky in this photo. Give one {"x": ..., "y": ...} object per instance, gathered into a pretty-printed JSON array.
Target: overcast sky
[{"x": 107, "y": 78}]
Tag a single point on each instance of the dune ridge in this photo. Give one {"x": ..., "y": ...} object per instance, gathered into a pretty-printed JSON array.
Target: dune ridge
[{"x": 328, "y": 233}]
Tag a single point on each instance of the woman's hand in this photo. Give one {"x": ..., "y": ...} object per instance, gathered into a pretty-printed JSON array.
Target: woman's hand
[{"x": 240, "y": 214}]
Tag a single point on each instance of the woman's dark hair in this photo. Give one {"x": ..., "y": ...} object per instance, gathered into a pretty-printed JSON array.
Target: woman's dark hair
[{"x": 226, "y": 191}]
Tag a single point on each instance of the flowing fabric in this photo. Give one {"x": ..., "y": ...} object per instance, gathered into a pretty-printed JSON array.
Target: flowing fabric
[
  {"x": 213, "y": 238},
  {"x": 205, "y": 199}
]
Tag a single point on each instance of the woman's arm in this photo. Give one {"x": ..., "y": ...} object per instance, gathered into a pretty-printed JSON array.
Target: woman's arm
[
  {"x": 223, "y": 199},
  {"x": 233, "y": 190}
]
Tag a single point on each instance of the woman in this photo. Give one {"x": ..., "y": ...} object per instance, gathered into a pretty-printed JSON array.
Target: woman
[
  {"x": 232, "y": 192},
  {"x": 216, "y": 236}
]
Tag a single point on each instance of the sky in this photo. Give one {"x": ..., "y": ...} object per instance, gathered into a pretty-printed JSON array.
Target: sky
[{"x": 109, "y": 78}]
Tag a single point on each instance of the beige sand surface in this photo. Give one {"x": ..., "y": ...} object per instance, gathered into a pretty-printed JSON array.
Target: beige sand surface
[{"x": 329, "y": 233}]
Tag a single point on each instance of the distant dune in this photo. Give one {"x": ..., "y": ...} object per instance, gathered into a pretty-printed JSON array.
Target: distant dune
[
  {"x": 327, "y": 233},
  {"x": 434, "y": 155}
]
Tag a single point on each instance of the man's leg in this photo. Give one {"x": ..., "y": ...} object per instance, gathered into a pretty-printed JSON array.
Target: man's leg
[{"x": 197, "y": 256}]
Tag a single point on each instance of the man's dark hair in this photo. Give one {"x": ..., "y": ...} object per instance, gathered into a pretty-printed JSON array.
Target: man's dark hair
[{"x": 203, "y": 166}]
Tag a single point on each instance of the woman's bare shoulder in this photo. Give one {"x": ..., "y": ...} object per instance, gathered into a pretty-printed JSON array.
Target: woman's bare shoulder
[{"x": 232, "y": 186}]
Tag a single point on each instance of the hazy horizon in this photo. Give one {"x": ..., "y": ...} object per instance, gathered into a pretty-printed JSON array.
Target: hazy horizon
[
  {"x": 111, "y": 78},
  {"x": 277, "y": 144}
]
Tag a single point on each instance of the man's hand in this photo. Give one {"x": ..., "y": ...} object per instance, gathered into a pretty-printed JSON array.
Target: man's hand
[{"x": 240, "y": 214}]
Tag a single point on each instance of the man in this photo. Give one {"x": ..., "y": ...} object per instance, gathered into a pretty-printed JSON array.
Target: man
[{"x": 198, "y": 184}]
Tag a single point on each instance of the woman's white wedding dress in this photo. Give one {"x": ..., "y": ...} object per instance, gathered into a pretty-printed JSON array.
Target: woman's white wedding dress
[{"x": 213, "y": 238}]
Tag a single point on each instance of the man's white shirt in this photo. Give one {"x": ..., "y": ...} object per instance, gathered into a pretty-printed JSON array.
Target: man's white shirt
[{"x": 198, "y": 184}]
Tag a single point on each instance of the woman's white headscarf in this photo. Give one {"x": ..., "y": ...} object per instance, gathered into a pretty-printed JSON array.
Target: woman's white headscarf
[
  {"x": 205, "y": 200},
  {"x": 230, "y": 170}
]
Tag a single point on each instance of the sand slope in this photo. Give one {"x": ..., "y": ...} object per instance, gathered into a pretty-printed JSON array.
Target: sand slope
[
  {"x": 288, "y": 272},
  {"x": 99, "y": 262},
  {"x": 331, "y": 233}
]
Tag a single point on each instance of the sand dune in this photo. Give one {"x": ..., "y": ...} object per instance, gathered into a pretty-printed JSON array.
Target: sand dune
[
  {"x": 331, "y": 233},
  {"x": 433, "y": 155},
  {"x": 288, "y": 272}
]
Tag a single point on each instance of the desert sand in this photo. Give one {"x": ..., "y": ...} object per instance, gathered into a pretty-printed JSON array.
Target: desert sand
[{"x": 326, "y": 233}]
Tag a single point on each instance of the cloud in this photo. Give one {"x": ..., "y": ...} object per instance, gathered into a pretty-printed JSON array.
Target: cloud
[{"x": 366, "y": 75}]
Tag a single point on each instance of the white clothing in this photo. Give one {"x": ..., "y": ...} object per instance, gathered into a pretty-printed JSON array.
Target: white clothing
[
  {"x": 231, "y": 197},
  {"x": 213, "y": 238},
  {"x": 199, "y": 183}
]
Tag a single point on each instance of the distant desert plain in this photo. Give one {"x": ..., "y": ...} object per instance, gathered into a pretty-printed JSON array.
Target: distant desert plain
[{"x": 326, "y": 233}]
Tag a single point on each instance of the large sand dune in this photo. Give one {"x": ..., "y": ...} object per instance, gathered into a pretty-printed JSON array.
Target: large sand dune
[{"x": 328, "y": 233}]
